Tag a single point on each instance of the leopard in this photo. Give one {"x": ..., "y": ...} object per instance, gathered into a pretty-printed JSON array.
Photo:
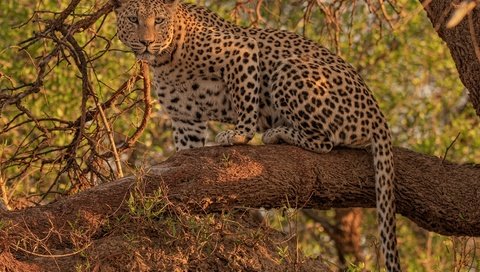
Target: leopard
[{"x": 261, "y": 80}]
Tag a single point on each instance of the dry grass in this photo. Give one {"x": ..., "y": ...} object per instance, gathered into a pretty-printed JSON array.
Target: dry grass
[{"x": 155, "y": 235}]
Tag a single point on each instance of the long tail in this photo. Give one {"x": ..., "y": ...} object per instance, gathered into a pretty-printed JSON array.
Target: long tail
[{"x": 384, "y": 186}]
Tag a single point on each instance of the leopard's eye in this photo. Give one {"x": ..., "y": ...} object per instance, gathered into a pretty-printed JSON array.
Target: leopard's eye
[
  {"x": 133, "y": 19},
  {"x": 159, "y": 21}
]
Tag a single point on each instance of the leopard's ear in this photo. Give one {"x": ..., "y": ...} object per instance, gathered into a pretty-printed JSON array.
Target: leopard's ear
[
  {"x": 171, "y": 2},
  {"x": 116, "y": 3}
]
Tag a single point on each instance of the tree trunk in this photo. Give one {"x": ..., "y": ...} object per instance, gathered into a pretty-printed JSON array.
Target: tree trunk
[
  {"x": 463, "y": 41},
  {"x": 439, "y": 196}
]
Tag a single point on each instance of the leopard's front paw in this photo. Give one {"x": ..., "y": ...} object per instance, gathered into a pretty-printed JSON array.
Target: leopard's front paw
[
  {"x": 233, "y": 137},
  {"x": 271, "y": 136}
]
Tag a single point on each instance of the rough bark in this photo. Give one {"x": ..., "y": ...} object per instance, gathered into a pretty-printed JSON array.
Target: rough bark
[
  {"x": 345, "y": 233},
  {"x": 439, "y": 196},
  {"x": 462, "y": 40}
]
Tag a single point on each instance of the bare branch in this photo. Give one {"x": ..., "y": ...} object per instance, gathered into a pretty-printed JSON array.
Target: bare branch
[{"x": 437, "y": 196}]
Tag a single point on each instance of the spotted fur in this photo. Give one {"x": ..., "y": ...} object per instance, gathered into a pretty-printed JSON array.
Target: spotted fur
[{"x": 262, "y": 80}]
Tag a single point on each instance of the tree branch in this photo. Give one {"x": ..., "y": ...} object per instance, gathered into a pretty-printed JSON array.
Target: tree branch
[
  {"x": 438, "y": 196},
  {"x": 462, "y": 40}
]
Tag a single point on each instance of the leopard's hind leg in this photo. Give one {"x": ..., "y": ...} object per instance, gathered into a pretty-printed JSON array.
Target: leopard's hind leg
[{"x": 315, "y": 142}]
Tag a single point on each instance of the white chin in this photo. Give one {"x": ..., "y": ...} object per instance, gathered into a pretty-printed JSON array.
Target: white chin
[{"x": 146, "y": 57}]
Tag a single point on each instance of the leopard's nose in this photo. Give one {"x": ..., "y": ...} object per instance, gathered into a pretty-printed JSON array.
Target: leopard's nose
[{"x": 146, "y": 42}]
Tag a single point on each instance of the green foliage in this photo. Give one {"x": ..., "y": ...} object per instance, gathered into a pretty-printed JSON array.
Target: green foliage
[
  {"x": 356, "y": 268},
  {"x": 408, "y": 68}
]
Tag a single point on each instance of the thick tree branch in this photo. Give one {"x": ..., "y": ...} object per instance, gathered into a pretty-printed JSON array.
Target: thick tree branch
[
  {"x": 463, "y": 41},
  {"x": 441, "y": 197}
]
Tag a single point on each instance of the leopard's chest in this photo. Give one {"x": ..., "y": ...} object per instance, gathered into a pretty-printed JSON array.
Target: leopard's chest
[{"x": 185, "y": 95}]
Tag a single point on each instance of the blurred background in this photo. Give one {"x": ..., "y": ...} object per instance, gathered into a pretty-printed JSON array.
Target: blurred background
[{"x": 67, "y": 93}]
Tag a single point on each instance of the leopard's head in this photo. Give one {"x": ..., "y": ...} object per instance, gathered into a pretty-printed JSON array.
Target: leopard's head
[{"x": 146, "y": 26}]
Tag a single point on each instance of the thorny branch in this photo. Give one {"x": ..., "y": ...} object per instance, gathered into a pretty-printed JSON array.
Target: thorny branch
[{"x": 81, "y": 158}]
